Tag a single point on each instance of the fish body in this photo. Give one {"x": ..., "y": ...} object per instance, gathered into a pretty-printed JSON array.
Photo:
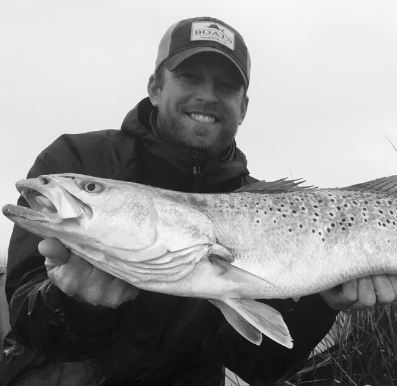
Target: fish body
[
  {"x": 307, "y": 241},
  {"x": 269, "y": 240}
]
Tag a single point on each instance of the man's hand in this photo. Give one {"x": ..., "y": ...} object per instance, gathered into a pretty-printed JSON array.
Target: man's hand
[
  {"x": 362, "y": 293},
  {"x": 76, "y": 277}
]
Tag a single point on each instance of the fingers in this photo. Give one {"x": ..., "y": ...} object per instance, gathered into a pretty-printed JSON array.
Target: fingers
[
  {"x": 349, "y": 293},
  {"x": 379, "y": 289},
  {"x": 393, "y": 282},
  {"x": 384, "y": 288},
  {"x": 362, "y": 293},
  {"x": 54, "y": 251},
  {"x": 107, "y": 290},
  {"x": 119, "y": 292},
  {"x": 76, "y": 277},
  {"x": 73, "y": 277},
  {"x": 366, "y": 296},
  {"x": 342, "y": 296}
]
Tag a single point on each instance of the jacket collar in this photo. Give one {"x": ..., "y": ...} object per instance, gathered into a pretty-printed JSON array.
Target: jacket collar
[{"x": 184, "y": 158}]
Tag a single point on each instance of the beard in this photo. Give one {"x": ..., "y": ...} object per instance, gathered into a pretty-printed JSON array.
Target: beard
[{"x": 172, "y": 130}]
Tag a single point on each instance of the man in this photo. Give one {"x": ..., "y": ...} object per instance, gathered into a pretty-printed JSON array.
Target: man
[{"x": 181, "y": 138}]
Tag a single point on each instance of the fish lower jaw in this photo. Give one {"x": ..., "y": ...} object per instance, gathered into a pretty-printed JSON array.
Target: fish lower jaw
[{"x": 21, "y": 213}]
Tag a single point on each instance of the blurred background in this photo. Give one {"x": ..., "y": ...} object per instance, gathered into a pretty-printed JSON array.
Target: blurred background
[{"x": 323, "y": 90}]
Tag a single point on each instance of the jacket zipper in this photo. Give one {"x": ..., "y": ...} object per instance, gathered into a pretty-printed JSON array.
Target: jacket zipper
[{"x": 197, "y": 177}]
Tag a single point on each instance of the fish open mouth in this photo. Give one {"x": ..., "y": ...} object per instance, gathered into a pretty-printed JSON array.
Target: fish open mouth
[
  {"x": 41, "y": 208},
  {"x": 38, "y": 202},
  {"x": 47, "y": 205}
]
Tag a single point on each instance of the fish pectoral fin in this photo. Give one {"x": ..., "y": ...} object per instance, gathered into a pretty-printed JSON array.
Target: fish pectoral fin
[
  {"x": 261, "y": 316},
  {"x": 242, "y": 326},
  {"x": 222, "y": 252}
]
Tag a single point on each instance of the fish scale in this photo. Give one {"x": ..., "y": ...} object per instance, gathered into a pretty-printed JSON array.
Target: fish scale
[{"x": 290, "y": 236}]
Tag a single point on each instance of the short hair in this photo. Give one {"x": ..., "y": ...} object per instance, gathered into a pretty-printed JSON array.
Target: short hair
[{"x": 159, "y": 75}]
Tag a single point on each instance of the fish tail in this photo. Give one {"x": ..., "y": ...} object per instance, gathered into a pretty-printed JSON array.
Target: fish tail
[{"x": 251, "y": 319}]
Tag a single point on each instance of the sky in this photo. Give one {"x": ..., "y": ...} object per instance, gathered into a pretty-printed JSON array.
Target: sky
[{"x": 323, "y": 91}]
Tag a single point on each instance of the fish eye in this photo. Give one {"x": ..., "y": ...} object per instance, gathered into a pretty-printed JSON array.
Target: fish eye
[{"x": 92, "y": 187}]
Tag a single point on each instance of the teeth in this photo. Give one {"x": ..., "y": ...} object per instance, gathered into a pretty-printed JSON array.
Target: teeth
[{"x": 203, "y": 118}]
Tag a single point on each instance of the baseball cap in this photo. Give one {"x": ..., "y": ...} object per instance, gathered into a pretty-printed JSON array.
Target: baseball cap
[{"x": 203, "y": 34}]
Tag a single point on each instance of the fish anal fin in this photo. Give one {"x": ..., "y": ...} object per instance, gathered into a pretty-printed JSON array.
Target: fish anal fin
[
  {"x": 242, "y": 326},
  {"x": 384, "y": 184},
  {"x": 264, "y": 318}
]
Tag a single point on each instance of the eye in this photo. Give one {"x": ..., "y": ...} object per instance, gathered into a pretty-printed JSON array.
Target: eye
[
  {"x": 189, "y": 76},
  {"x": 92, "y": 187},
  {"x": 228, "y": 86}
]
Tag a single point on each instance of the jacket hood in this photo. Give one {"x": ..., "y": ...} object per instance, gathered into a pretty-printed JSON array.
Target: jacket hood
[{"x": 232, "y": 163}]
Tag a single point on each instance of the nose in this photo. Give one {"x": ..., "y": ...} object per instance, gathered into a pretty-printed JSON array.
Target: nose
[
  {"x": 206, "y": 91},
  {"x": 45, "y": 180}
]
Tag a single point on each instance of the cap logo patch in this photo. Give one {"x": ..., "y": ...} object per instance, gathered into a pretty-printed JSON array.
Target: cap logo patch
[{"x": 215, "y": 32}]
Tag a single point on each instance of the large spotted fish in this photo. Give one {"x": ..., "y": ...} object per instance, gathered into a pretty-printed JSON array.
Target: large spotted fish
[{"x": 268, "y": 240}]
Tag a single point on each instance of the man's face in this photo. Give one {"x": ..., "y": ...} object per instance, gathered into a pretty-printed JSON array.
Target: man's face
[{"x": 200, "y": 103}]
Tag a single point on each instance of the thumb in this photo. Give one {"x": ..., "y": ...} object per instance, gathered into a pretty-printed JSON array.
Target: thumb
[{"x": 54, "y": 252}]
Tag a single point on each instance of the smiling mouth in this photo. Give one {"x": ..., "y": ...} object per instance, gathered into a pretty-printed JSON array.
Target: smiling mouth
[{"x": 203, "y": 118}]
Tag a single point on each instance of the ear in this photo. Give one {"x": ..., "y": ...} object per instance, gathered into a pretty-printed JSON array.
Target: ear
[
  {"x": 154, "y": 90},
  {"x": 243, "y": 107}
]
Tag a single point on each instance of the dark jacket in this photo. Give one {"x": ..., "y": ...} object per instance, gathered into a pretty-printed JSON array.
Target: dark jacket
[{"x": 155, "y": 339}]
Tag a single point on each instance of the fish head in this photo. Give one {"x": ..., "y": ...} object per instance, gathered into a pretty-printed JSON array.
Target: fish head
[{"x": 86, "y": 212}]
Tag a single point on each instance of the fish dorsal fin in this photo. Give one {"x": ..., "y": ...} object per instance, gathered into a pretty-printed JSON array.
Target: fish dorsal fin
[
  {"x": 384, "y": 184},
  {"x": 279, "y": 186}
]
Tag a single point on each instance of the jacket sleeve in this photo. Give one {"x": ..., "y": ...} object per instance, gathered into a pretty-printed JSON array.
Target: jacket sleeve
[
  {"x": 42, "y": 317},
  {"x": 308, "y": 320}
]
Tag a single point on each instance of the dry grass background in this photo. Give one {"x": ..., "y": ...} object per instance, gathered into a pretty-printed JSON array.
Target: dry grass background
[{"x": 365, "y": 353}]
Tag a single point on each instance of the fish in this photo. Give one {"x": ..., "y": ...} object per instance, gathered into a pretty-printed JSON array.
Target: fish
[{"x": 267, "y": 240}]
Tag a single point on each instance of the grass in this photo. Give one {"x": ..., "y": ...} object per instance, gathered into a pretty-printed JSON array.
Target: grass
[{"x": 365, "y": 353}]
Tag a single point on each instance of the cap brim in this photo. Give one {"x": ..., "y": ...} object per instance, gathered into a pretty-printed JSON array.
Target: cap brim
[{"x": 172, "y": 62}]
